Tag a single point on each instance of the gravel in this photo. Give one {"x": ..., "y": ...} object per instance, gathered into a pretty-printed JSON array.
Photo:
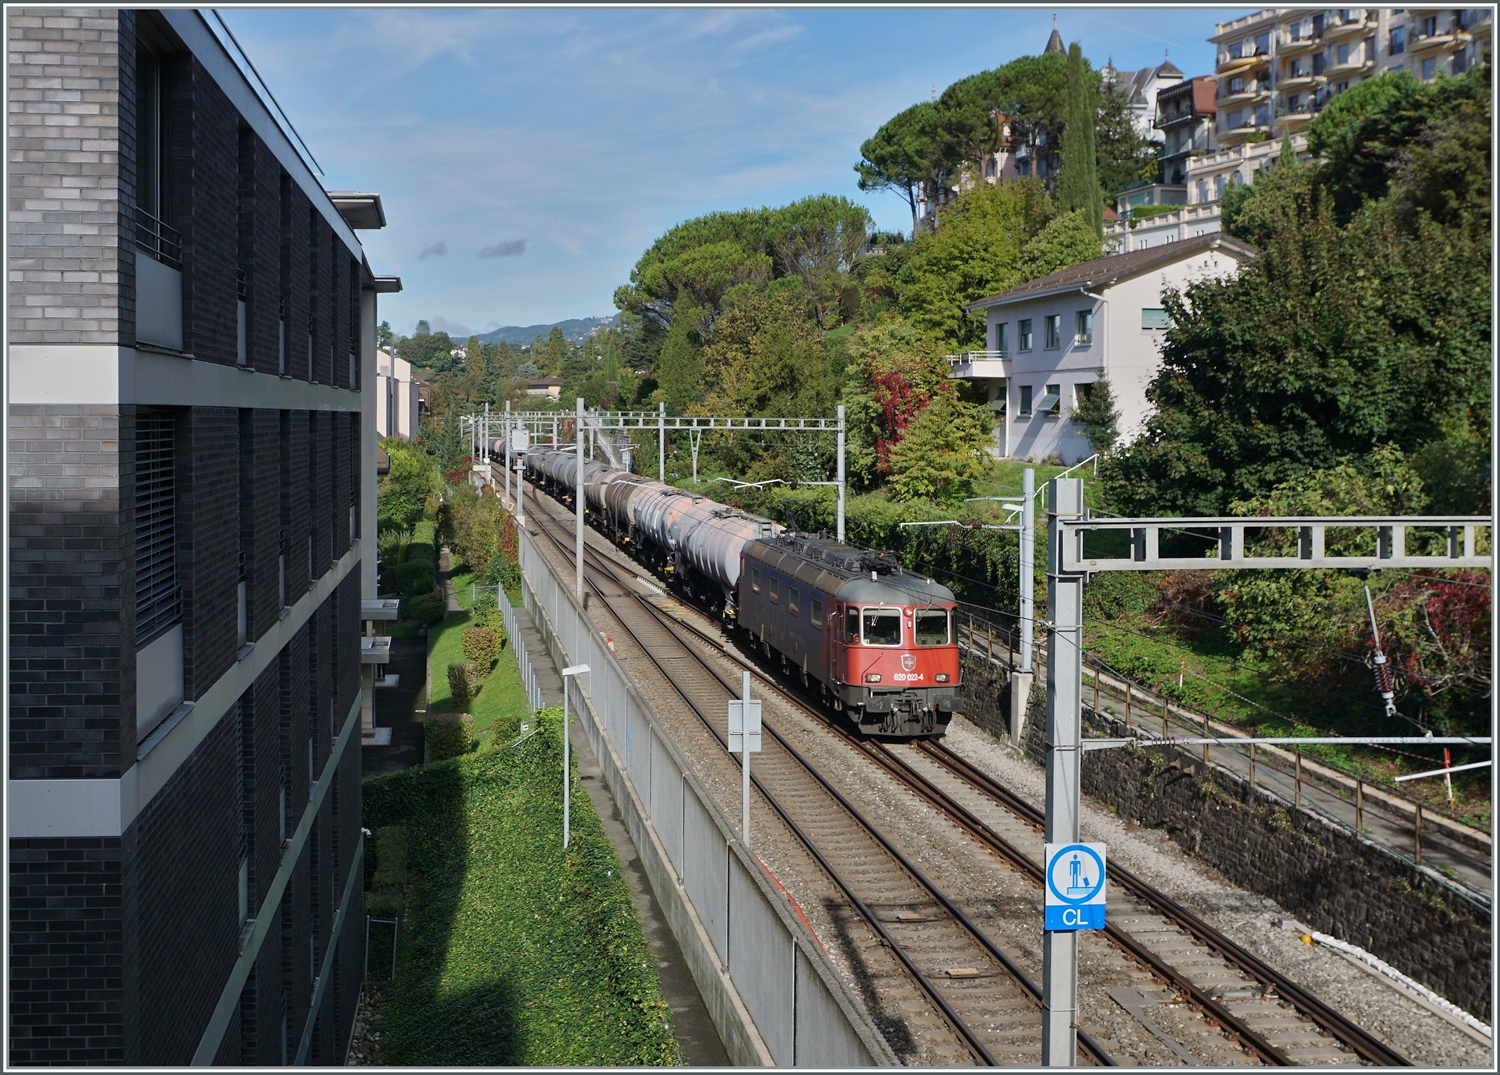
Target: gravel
[{"x": 1250, "y": 920}]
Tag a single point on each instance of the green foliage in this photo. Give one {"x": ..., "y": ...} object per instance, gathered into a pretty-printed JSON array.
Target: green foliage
[
  {"x": 1124, "y": 155},
  {"x": 424, "y": 608},
  {"x": 449, "y": 735},
  {"x": 943, "y": 452},
  {"x": 414, "y": 577},
  {"x": 906, "y": 152},
  {"x": 1332, "y": 341},
  {"x": 518, "y": 953},
  {"x": 1097, "y": 414},
  {"x": 388, "y": 883},
  {"x": 481, "y": 648},
  {"x": 474, "y": 521},
  {"x": 976, "y": 252},
  {"x": 679, "y": 368},
  {"x": 898, "y": 370},
  {"x": 1078, "y": 183},
  {"x": 463, "y": 682},
  {"x": 1068, "y": 239},
  {"x": 402, "y": 494}
]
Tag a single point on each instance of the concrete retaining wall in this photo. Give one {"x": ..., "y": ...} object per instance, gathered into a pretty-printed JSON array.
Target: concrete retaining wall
[
  {"x": 773, "y": 995},
  {"x": 1327, "y": 877}
]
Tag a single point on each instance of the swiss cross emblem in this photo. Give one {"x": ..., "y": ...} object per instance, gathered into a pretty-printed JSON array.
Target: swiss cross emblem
[{"x": 908, "y": 661}]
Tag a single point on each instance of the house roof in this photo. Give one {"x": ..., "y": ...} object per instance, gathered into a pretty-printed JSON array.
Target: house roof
[
  {"x": 544, "y": 382},
  {"x": 1105, "y": 272},
  {"x": 1054, "y": 43}
]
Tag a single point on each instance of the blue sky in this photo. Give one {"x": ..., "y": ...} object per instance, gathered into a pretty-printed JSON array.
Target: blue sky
[{"x": 527, "y": 156}]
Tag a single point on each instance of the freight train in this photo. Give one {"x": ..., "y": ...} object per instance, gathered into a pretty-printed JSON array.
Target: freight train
[{"x": 875, "y": 642}]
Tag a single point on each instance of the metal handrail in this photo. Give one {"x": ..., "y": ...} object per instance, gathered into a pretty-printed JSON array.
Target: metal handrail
[{"x": 158, "y": 239}]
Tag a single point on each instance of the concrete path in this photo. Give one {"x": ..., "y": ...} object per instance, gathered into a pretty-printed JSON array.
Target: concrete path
[{"x": 547, "y": 676}]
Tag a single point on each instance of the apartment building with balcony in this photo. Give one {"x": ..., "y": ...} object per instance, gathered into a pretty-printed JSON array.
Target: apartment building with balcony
[
  {"x": 1276, "y": 70},
  {"x": 1048, "y": 341},
  {"x": 191, "y": 340}
]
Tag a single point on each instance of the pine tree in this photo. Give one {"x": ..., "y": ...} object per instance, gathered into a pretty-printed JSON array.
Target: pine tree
[{"x": 1078, "y": 184}]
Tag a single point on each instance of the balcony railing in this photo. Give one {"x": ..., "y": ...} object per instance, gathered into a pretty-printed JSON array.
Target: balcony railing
[
  {"x": 158, "y": 239},
  {"x": 968, "y": 358}
]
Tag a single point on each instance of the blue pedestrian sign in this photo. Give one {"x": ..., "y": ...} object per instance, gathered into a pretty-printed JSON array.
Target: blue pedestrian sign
[{"x": 1075, "y": 886}]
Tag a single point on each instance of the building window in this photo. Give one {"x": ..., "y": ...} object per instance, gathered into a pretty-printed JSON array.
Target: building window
[
  {"x": 1398, "y": 40},
  {"x": 1152, "y": 318},
  {"x": 1025, "y": 409},
  {"x": 1202, "y": 190},
  {"x": 1053, "y": 323},
  {"x": 1429, "y": 26},
  {"x": 1002, "y": 337},
  {"x": 1218, "y": 187},
  {"x": 1051, "y": 404},
  {"x": 1023, "y": 334},
  {"x": 1342, "y": 53},
  {"x": 1085, "y": 334},
  {"x": 156, "y": 605},
  {"x": 1235, "y": 119},
  {"x": 1263, "y": 43},
  {"x": 1430, "y": 67},
  {"x": 153, "y": 235}
]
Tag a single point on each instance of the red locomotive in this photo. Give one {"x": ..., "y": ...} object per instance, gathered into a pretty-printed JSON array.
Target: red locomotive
[{"x": 879, "y": 643}]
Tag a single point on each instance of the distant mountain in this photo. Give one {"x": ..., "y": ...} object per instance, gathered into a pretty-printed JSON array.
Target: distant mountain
[{"x": 574, "y": 329}]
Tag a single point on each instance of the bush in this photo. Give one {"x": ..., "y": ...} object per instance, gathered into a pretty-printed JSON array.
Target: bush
[
  {"x": 388, "y": 886},
  {"x": 425, "y": 608},
  {"x": 481, "y": 647},
  {"x": 450, "y": 735},
  {"x": 463, "y": 681},
  {"x": 487, "y": 614},
  {"x": 414, "y": 577}
]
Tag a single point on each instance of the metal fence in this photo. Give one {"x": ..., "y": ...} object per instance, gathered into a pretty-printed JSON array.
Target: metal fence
[
  {"x": 747, "y": 950},
  {"x": 518, "y": 644}
]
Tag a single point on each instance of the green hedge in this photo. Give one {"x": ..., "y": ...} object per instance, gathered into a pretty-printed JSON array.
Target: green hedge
[
  {"x": 449, "y": 736},
  {"x": 388, "y": 885},
  {"x": 414, "y": 577},
  {"x": 481, "y": 648},
  {"x": 518, "y": 953},
  {"x": 425, "y": 608},
  {"x": 463, "y": 682}
]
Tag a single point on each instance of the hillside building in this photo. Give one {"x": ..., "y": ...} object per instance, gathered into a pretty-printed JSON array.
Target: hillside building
[
  {"x": 399, "y": 395},
  {"x": 1048, "y": 341},
  {"x": 191, "y": 346}
]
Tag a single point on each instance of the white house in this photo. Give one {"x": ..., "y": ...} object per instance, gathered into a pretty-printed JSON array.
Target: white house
[
  {"x": 396, "y": 409},
  {"x": 1049, "y": 340}
]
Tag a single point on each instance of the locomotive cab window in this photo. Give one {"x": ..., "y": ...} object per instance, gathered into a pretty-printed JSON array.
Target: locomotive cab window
[
  {"x": 851, "y": 626},
  {"x": 816, "y": 612},
  {"x": 774, "y": 588},
  {"x": 755, "y": 579},
  {"x": 932, "y": 627},
  {"x": 882, "y": 626},
  {"x": 791, "y": 600}
]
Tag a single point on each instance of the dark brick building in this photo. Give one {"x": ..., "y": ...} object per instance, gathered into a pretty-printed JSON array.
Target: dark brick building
[{"x": 191, "y": 323}]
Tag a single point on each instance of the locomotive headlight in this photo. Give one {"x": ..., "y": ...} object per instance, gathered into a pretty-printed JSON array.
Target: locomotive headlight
[
  {"x": 941, "y": 677},
  {"x": 872, "y": 678}
]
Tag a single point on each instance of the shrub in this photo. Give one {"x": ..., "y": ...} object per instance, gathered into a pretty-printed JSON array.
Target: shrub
[
  {"x": 388, "y": 885},
  {"x": 414, "y": 577},
  {"x": 487, "y": 614},
  {"x": 450, "y": 735},
  {"x": 425, "y": 608},
  {"x": 463, "y": 681},
  {"x": 481, "y": 647}
]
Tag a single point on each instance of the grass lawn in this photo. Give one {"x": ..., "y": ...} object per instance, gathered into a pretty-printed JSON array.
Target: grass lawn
[
  {"x": 501, "y": 702},
  {"x": 514, "y": 951}
]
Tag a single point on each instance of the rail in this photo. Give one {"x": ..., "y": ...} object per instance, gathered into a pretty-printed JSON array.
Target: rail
[{"x": 158, "y": 239}]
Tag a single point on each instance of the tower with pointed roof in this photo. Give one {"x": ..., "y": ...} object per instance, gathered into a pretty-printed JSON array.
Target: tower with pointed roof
[{"x": 1055, "y": 42}]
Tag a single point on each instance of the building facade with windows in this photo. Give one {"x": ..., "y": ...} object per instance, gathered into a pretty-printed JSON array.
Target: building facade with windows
[
  {"x": 399, "y": 407},
  {"x": 191, "y": 481},
  {"x": 1051, "y": 339},
  {"x": 1276, "y": 70}
]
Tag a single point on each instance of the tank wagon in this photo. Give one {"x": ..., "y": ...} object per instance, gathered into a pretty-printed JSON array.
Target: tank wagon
[{"x": 875, "y": 642}]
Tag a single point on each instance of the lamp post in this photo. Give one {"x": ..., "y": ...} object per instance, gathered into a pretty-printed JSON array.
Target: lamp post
[{"x": 574, "y": 670}]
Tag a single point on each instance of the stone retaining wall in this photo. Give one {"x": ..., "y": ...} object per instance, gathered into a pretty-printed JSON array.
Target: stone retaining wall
[{"x": 1329, "y": 878}]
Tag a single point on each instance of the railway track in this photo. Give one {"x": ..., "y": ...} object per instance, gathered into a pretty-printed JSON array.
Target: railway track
[
  {"x": 978, "y": 994},
  {"x": 1272, "y": 1018}
]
